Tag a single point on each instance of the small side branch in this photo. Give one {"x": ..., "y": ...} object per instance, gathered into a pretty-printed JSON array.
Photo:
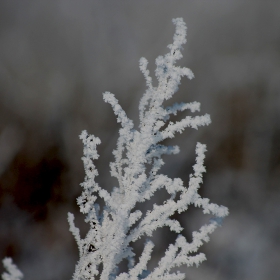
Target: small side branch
[{"x": 13, "y": 272}]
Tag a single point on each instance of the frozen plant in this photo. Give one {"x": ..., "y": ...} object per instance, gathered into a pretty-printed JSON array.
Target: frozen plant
[
  {"x": 138, "y": 158},
  {"x": 13, "y": 272}
]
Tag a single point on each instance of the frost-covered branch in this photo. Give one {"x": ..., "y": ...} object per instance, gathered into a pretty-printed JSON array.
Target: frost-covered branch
[
  {"x": 13, "y": 273},
  {"x": 138, "y": 159}
]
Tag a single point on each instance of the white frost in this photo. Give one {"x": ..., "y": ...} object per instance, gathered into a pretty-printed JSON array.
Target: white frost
[{"x": 113, "y": 230}]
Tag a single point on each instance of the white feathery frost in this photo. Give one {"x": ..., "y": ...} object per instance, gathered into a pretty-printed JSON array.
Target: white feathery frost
[
  {"x": 138, "y": 159},
  {"x": 13, "y": 273}
]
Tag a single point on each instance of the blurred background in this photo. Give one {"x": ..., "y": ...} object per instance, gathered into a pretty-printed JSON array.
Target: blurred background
[{"x": 56, "y": 59}]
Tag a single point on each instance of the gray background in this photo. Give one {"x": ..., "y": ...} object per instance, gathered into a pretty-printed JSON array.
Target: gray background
[{"x": 56, "y": 59}]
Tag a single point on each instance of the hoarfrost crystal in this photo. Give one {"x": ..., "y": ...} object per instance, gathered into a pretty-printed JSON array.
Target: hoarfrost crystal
[
  {"x": 138, "y": 159},
  {"x": 13, "y": 272}
]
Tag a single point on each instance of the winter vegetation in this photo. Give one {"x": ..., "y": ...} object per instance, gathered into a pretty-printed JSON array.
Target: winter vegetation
[
  {"x": 117, "y": 225},
  {"x": 58, "y": 57},
  {"x": 13, "y": 273}
]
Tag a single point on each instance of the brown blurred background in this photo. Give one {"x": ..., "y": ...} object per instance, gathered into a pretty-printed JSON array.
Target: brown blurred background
[{"x": 56, "y": 59}]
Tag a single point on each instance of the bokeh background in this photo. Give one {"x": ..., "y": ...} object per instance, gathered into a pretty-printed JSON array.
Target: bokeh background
[{"x": 56, "y": 59}]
